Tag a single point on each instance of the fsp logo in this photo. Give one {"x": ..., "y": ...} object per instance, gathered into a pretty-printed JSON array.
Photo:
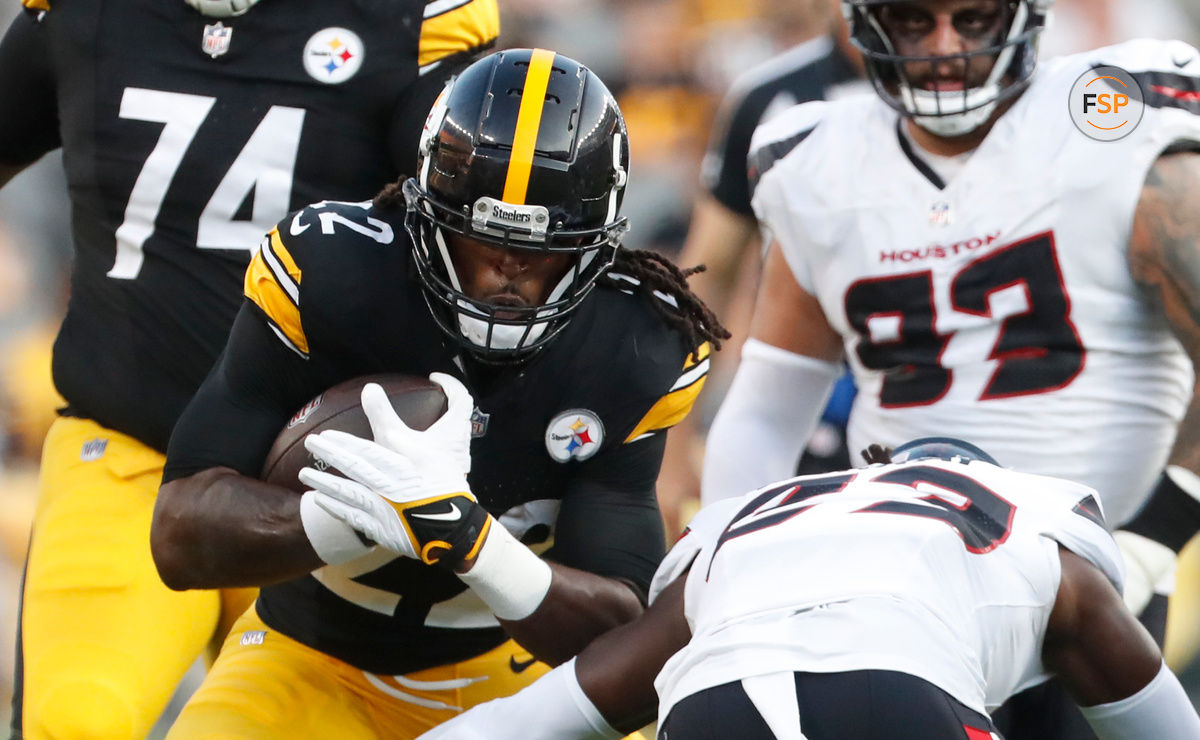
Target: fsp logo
[{"x": 1106, "y": 103}]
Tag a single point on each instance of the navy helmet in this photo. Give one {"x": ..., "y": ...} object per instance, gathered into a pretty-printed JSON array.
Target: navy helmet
[{"x": 943, "y": 448}]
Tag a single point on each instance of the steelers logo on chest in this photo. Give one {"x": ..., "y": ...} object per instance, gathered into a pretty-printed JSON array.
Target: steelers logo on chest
[
  {"x": 574, "y": 435},
  {"x": 333, "y": 55}
]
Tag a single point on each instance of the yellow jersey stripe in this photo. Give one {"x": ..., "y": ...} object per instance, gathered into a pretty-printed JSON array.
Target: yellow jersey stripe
[
  {"x": 263, "y": 286},
  {"x": 702, "y": 352},
  {"x": 452, "y": 27},
  {"x": 281, "y": 264},
  {"x": 529, "y": 122},
  {"x": 669, "y": 410}
]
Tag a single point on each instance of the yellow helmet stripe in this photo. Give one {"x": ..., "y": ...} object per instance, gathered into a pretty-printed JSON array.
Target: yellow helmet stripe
[{"x": 529, "y": 121}]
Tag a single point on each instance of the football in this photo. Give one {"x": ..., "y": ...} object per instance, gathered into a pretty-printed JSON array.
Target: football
[{"x": 418, "y": 401}]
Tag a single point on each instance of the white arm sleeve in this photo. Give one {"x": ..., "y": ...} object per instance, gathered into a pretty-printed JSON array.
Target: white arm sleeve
[
  {"x": 1161, "y": 710},
  {"x": 770, "y": 411},
  {"x": 553, "y": 707}
]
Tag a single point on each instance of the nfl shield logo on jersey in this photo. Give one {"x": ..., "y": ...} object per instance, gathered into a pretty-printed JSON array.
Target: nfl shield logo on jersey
[
  {"x": 216, "y": 39},
  {"x": 479, "y": 422},
  {"x": 940, "y": 214}
]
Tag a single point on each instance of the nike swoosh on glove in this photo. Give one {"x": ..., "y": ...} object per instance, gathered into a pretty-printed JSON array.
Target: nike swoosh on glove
[
  {"x": 444, "y": 529},
  {"x": 406, "y": 490}
]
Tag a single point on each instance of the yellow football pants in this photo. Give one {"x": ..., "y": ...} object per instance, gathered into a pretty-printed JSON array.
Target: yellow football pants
[
  {"x": 103, "y": 641},
  {"x": 267, "y": 686}
]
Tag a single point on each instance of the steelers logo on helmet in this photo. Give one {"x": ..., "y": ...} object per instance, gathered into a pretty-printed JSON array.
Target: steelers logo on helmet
[
  {"x": 333, "y": 55},
  {"x": 574, "y": 435},
  {"x": 1001, "y": 59},
  {"x": 525, "y": 150}
]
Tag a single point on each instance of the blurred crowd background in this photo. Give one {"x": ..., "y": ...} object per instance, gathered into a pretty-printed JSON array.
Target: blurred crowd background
[{"x": 669, "y": 62}]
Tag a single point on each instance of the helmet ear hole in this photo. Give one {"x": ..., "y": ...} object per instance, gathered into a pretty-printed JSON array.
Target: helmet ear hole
[{"x": 526, "y": 149}]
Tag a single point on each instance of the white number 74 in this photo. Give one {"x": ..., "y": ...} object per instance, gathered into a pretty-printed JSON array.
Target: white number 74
[{"x": 266, "y": 164}]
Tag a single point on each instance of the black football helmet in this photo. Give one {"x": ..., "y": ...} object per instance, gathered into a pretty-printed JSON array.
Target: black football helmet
[
  {"x": 1012, "y": 55},
  {"x": 943, "y": 448},
  {"x": 525, "y": 149}
]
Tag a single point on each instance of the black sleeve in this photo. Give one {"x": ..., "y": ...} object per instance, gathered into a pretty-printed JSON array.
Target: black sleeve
[
  {"x": 609, "y": 523},
  {"x": 1170, "y": 516},
  {"x": 728, "y": 148},
  {"x": 28, "y": 105},
  {"x": 413, "y": 108},
  {"x": 243, "y": 404}
]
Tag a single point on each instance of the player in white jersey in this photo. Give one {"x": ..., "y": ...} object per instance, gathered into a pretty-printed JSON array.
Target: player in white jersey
[
  {"x": 988, "y": 270},
  {"x": 903, "y": 600}
]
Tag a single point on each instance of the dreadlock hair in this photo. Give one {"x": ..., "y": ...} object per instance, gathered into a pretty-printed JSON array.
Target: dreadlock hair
[
  {"x": 653, "y": 273},
  {"x": 391, "y": 198},
  {"x": 656, "y": 273}
]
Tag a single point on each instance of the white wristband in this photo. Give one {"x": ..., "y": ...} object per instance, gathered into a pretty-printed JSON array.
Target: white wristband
[
  {"x": 334, "y": 541},
  {"x": 509, "y": 578}
]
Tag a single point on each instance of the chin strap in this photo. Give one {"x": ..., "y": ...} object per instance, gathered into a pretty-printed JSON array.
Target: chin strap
[{"x": 221, "y": 8}]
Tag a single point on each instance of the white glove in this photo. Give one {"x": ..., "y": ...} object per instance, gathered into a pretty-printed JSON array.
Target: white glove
[
  {"x": 449, "y": 436},
  {"x": 1147, "y": 563},
  {"x": 406, "y": 491},
  {"x": 221, "y": 8}
]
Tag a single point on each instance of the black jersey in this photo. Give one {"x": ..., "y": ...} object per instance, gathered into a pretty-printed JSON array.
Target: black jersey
[
  {"x": 811, "y": 71},
  {"x": 185, "y": 139},
  {"x": 566, "y": 445}
]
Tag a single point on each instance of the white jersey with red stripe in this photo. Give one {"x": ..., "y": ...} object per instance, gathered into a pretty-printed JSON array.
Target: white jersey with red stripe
[
  {"x": 942, "y": 570},
  {"x": 999, "y": 307}
]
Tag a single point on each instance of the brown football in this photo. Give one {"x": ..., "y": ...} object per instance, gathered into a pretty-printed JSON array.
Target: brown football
[{"x": 418, "y": 401}]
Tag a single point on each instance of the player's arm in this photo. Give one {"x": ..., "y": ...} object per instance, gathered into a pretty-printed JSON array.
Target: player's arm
[
  {"x": 608, "y": 541},
  {"x": 1109, "y": 663},
  {"x": 610, "y": 685},
  {"x": 788, "y": 368},
  {"x": 216, "y": 525},
  {"x": 29, "y": 124},
  {"x": 1164, "y": 259},
  {"x": 717, "y": 238},
  {"x": 407, "y": 490}
]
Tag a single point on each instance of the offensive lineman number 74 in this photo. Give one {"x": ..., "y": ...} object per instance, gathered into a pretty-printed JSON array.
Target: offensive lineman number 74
[{"x": 265, "y": 164}]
